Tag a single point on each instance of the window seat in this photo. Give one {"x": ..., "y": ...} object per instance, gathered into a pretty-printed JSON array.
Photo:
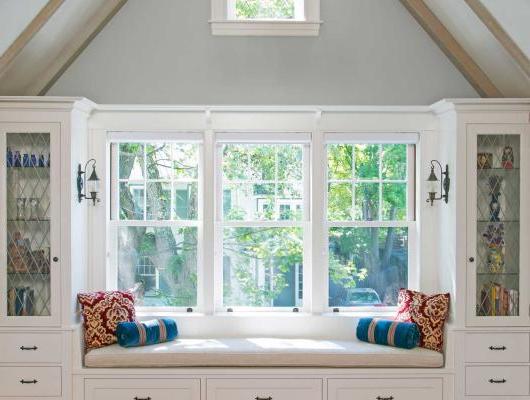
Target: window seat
[{"x": 263, "y": 352}]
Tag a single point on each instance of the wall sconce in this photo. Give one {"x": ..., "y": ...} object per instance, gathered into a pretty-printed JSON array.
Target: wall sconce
[
  {"x": 91, "y": 184},
  {"x": 432, "y": 183}
]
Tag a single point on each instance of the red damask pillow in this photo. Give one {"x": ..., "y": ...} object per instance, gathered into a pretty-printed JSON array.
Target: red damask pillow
[
  {"x": 101, "y": 313},
  {"x": 428, "y": 312}
]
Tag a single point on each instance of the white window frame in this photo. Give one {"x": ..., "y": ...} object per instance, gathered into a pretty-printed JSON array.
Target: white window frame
[
  {"x": 411, "y": 221},
  {"x": 112, "y": 224},
  {"x": 223, "y": 23},
  {"x": 300, "y": 138}
]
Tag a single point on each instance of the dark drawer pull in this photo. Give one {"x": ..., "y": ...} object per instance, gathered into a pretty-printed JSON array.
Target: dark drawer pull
[
  {"x": 24, "y": 382},
  {"x": 497, "y": 381},
  {"x": 263, "y": 398},
  {"x": 142, "y": 398},
  {"x": 497, "y": 348},
  {"x": 28, "y": 348},
  {"x": 385, "y": 398}
]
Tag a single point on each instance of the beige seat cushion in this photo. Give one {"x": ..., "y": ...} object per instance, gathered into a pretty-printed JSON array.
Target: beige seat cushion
[{"x": 262, "y": 352}]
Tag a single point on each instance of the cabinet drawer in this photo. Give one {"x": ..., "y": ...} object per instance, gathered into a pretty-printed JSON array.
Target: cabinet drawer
[
  {"x": 497, "y": 381},
  {"x": 497, "y": 347},
  {"x": 143, "y": 388},
  {"x": 30, "y": 381},
  {"x": 395, "y": 389},
  {"x": 31, "y": 347},
  {"x": 268, "y": 389}
]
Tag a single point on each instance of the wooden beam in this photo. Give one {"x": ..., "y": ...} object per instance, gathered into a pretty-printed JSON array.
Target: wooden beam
[
  {"x": 78, "y": 43},
  {"x": 452, "y": 49},
  {"x": 27, "y": 34},
  {"x": 500, "y": 34}
]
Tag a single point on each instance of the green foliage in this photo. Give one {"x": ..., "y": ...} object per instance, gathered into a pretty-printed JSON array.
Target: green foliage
[{"x": 265, "y": 9}]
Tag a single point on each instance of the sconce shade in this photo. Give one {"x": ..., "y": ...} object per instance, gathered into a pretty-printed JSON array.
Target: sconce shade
[
  {"x": 93, "y": 182},
  {"x": 432, "y": 176}
]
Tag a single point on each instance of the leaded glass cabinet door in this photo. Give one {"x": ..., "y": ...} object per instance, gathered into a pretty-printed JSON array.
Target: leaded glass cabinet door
[
  {"x": 497, "y": 192},
  {"x": 29, "y": 218}
]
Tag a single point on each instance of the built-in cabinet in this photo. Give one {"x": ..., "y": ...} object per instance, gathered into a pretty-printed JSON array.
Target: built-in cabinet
[{"x": 41, "y": 142}]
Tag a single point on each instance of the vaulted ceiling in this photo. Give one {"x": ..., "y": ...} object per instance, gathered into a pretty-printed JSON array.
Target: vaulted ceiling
[{"x": 487, "y": 40}]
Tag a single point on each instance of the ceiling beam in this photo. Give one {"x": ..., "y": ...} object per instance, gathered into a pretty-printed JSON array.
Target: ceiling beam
[
  {"x": 500, "y": 34},
  {"x": 78, "y": 43},
  {"x": 27, "y": 34},
  {"x": 452, "y": 49}
]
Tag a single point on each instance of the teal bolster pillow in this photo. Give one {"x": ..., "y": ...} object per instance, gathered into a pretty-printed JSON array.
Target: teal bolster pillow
[
  {"x": 136, "y": 333},
  {"x": 390, "y": 333}
]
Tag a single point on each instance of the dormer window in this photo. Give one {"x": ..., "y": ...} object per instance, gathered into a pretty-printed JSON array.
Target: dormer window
[{"x": 265, "y": 17}]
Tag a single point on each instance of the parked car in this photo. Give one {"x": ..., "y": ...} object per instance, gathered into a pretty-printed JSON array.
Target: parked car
[{"x": 362, "y": 297}]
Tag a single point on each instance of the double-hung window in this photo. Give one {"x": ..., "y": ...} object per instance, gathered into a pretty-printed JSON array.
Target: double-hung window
[
  {"x": 156, "y": 209},
  {"x": 370, "y": 220},
  {"x": 262, "y": 222}
]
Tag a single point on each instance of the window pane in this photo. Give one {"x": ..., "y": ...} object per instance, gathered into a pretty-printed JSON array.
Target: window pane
[
  {"x": 340, "y": 159},
  {"x": 186, "y": 161},
  {"x": 367, "y": 161},
  {"x": 131, "y": 161},
  {"x": 253, "y": 186},
  {"x": 340, "y": 198},
  {"x": 290, "y": 163},
  {"x": 394, "y": 162},
  {"x": 161, "y": 262},
  {"x": 394, "y": 201},
  {"x": 186, "y": 200},
  {"x": 367, "y": 201},
  {"x": 367, "y": 266},
  {"x": 158, "y": 158},
  {"x": 265, "y": 9},
  {"x": 131, "y": 200},
  {"x": 158, "y": 200},
  {"x": 262, "y": 267}
]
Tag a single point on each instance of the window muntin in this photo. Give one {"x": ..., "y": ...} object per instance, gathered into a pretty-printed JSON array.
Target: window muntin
[
  {"x": 370, "y": 216},
  {"x": 263, "y": 224},
  {"x": 265, "y": 9},
  {"x": 154, "y": 221}
]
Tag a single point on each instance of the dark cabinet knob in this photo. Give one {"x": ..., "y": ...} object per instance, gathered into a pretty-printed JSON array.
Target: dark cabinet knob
[
  {"x": 502, "y": 348},
  {"x": 55, "y": 259},
  {"x": 142, "y": 398},
  {"x": 263, "y": 398},
  {"x": 25, "y": 382},
  {"x": 497, "y": 381},
  {"x": 385, "y": 398},
  {"x": 28, "y": 348},
  {"x": 471, "y": 259}
]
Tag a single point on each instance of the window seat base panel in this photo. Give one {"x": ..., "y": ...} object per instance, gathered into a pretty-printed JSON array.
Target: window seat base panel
[{"x": 262, "y": 352}]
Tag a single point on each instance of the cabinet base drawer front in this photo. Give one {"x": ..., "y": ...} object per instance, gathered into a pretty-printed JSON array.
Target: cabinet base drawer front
[
  {"x": 31, "y": 347},
  {"x": 385, "y": 389},
  {"x": 264, "y": 389},
  {"x": 497, "y": 347},
  {"x": 30, "y": 382},
  {"x": 498, "y": 381},
  {"x": 142, "y": 389}
]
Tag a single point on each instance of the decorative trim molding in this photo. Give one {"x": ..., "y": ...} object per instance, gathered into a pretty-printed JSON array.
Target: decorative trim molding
[
  {"x": 452, "y": 49},
  {"x": 27, "y": 34},
  {"x": 265, "y": 28},
  {"x": 500, "y": 34}
]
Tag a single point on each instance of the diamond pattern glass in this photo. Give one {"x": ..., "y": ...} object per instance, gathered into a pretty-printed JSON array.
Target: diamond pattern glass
[
  {"x": 498, "y": 196},
  {"x": 28, "y": 224}
]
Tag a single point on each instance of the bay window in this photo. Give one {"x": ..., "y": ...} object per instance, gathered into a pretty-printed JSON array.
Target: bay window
[
  {"x": 263, "y": 222},
  {"x": 155, "y": 211},
  {"x": 370, "y": 221}
]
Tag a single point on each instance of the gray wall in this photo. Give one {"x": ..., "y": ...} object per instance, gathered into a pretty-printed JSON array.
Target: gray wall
[{"x": 368, "y": 52}]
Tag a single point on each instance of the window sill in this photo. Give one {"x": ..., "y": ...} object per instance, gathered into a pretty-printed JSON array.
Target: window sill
[{"x": 265, "y": 28}]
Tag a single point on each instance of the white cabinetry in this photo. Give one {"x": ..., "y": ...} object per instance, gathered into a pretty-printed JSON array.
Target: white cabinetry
[{"x": 42, "y": 242}]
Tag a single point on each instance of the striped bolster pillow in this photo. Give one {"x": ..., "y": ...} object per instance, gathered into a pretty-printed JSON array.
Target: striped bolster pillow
[
  {"x": 390, "y": 333},
  {"x": 136, "y": 333}
]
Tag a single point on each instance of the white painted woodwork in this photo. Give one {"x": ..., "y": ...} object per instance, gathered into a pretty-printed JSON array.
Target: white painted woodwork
[
  {"x": 48, "y": 382},
  {"x": 275, "y": 389},
  {"x": 497, "y": 380},
  {"x": 155, "y": 389},
  {"x": 385, "y": 389},
  {"x": 497, "y": 347},
  {"x": 31, "y": 347}
]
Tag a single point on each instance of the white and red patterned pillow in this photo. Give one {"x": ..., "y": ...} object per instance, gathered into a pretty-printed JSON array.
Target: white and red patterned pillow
[
  {"x": 428, "y": 312},
  {"x": 101, "y": 313}
]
